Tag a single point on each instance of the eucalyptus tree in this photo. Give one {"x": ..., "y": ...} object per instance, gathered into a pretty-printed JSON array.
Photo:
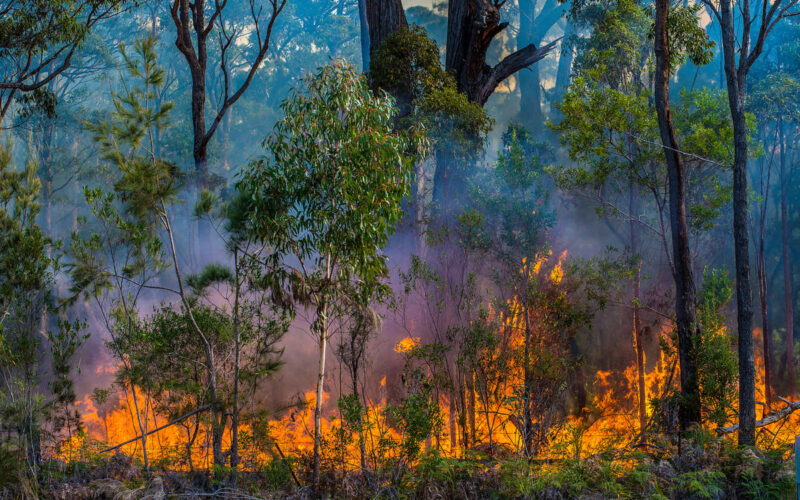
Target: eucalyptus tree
[
  {"x": 38, "y": 40},
  {"x": 231, "y": 24},
  {"x": 326, "y": 197},
  {"x": 776, "y": 100},
  {"x": 742, "y": 45},
  {"x": 609, "y": 123},
  {"x": 675, "y": 38}
]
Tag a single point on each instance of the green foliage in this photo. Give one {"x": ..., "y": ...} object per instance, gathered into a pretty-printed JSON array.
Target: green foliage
[
  {"x": 417, "y": 416},
  {"x": 775, "y": 96},
  {"x": 24, "y": 265},
  {"x": 514, "y": 199},
  {"x": 329, "y": 191},
  {"x": 38, "y": 40},
  {"x": 407, "y": 66},
  {"x": 700, "y": 484},
  {"x": 212, "y": 274},
  {"x": 27, "y": 277},
  {"x": 717, "y": 366},
  {"x": 145, "y": 183},
  {"x": 687, "y": 38}
]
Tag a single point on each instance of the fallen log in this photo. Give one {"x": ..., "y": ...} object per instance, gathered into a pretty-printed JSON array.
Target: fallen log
[
  {"x": 769, "y": 419},
  {"x": 173, "y": 422}
]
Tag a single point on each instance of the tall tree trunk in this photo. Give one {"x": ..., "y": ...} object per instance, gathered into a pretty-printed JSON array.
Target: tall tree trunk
[
  {"x": 767, "y": 341},
  {"x": 761, "y": 269},
  {"x": 787, "y": 265},
  {"x": 471, "y": 27},
  {"x": 735, "y": 77},
  {"x": 236, "y": 354},
  {"x": 384, "y": 17},
  {"x": 684, "y": 280}
]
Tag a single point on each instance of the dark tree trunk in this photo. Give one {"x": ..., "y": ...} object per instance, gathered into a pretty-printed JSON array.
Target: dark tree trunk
[
  {"x": 236, "y": 372},
  {"x": 767, "y": 341},
  {"x": 735, "y": 76},
  {"x": 471, "y": 27},
  {"x": 684, "y": 281},
  {"x": 384, "y": 17},
  {"x": 787, "y": 266},
  {"x": 365, "y": 38},
  {"x": 193, "y": 30}
]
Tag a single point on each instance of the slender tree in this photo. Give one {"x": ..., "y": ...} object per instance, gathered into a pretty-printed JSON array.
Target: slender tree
[
  {"x": 741, "y": 47},
  {"x": 195, "y": 22},
  {"x": 685, "y": 294},
  {"x": 327, "y": 197}
]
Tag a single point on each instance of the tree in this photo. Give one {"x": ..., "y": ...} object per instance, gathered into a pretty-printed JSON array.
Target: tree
[
  {"x": 668, "y": 51},
  {"x": 137, "y": 243},
  {"x": 27, "y": 338},
  {"x": 738, "y": 58},
  {"x": 776, "y": 99},
  {"x": 192, "y": 32},
  {"x": 609, "y": 126},
  {"x": 472, "y": 25},
  {"x": 37, "y": 42},
  {"x": 327, "y": 197}
]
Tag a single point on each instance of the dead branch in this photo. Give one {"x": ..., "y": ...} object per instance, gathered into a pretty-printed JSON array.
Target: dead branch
[
  {"x": 769, "y": 419},
  {"x": 288, "y": 464},
  {"x": 179, "y": 419}
]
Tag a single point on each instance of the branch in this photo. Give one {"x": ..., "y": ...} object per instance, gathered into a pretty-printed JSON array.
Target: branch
[
  {"x": 277, "y": 8},
  {"x": 513, "y": 63},
  {"x": 769, "y": 419},
  {"x": 179, "y": 419}
]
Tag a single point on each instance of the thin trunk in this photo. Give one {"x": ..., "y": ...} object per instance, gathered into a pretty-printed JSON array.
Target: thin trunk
[
  {"x": 787, "y": 265},
  {"x": 636, "y": 319},
  {"x": 142, "y": 429},
  {"x": 462, "y": 410},
  {"x": 735, "y": 76},
  {"x": 471, "y": 407},
  {"x": 237, "y": 340},
  {"x": 684, "y": 280},
  {"x": 323, "y": 344},
  {"x": 767, "y": 341},
  {"x": 527, "y": 417}
]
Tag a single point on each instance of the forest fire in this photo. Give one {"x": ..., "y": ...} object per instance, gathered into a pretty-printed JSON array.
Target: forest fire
[
  {"x": 467, "y": 249},
  {"x": 604, "y": 424}
]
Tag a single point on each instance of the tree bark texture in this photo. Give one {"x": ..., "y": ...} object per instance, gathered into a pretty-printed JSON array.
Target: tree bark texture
[{"x": 684, "y": 280}]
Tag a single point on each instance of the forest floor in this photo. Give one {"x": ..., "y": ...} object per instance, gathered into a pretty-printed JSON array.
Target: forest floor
[{"x": 715, "y": 469}]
